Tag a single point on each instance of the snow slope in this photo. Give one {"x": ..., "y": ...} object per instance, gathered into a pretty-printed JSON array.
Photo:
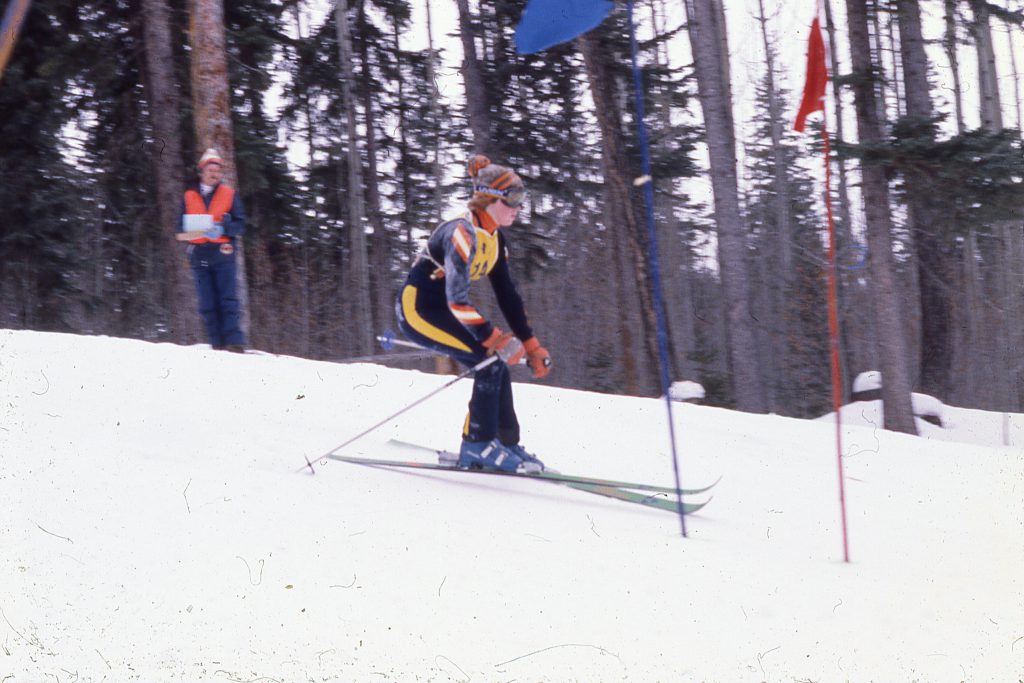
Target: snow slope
[
  {"x": 156, "y": 525},
  {"x": 964, "y": 425}
]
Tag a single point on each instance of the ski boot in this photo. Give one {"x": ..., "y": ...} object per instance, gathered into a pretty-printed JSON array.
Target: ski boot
[
  {"x": 489, "y": 455},
  {"x": 530, "y": 461}
]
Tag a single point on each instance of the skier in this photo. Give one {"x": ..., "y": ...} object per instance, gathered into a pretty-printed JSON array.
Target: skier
[
  {"x": 435, "y": 311},
  {"x": 212, "y": 255}
]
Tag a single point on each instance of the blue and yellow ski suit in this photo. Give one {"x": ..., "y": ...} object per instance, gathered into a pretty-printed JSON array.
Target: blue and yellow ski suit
[{"x": 434, "y": 309}]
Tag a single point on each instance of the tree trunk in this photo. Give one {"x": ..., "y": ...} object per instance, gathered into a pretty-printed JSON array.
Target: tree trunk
[
  {"x": 165, "y": 154},
  {"x": 211, "y": 111},
  {"x": 899, "y": 415},
  {"x": 1014, "y": 316},
  {"x": 710, "y": 53},
  {"x": 1015, "y": 239},
  {"x": 582, "y": 327},
  {"x": 357, "y": 283},
  {"x": 779, "y": 180},
  {"x": 15, "y": 12},
  {"x": 988, "y": 78},
  {"x": 1011, "y": 50},
  {"x": 380, "y": 275},
  {"x": 675, "y": 270},
  {"x": 849, "y": 287},
  {"x": 1004, "y": 259},
  {"x": 780, "y": 290},
  {"x": 876, "y": 47},
  {"x": 936, "y": 268},
  {"x": 895, "y": 82},
  {"x": 949, "y": 45},
  {"x": 634, "y": 281},
  {"x": 405, "y": 191},
  {"x": 476, "y": 91},
  {"x": 304, "y": 331},
  {"x": 974, "y": 310},
  {"x": 435, "y": 109}
]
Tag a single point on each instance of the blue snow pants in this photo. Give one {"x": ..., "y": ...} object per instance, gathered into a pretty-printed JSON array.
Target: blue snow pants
[
  {"x": 424, "y": 317},
  {"x": 215, "y": 270}
]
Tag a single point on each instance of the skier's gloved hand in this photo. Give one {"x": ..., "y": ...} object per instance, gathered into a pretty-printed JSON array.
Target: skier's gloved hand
[
  {"x": 505, "y": 346},
  {"x": 538, "y": 358},
  {"x": 215, "y": 232}
]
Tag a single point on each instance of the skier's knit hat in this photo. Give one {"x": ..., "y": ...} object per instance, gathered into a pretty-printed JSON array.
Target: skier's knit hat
[
  {"x": 210, "y": 156},
  {"x": 492, "y": 182}
]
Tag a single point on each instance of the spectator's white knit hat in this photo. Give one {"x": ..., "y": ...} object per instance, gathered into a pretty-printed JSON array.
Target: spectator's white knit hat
[{"x": 210, "y": 156}]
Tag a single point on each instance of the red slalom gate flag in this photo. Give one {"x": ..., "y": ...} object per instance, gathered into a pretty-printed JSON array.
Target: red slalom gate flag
[
  {"x": 817, "y": 77},
  {"x": 814, "y": 100}
]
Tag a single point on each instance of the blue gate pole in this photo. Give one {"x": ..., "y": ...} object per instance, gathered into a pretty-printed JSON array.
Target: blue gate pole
[{"x": 659, "y": 306}]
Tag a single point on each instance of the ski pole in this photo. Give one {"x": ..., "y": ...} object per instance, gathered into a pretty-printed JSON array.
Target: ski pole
[
  {"x": 408, "y": 355},
  {"x": 479, "y": 366},
  {"x": 388, "y": 341}
]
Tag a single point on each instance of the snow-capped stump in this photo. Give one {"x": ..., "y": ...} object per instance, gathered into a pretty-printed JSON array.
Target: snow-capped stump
[
  {"x": 928, "y": 408},
  {"x": 686, "y": 391},
  {"x": 867, "y": 386}
]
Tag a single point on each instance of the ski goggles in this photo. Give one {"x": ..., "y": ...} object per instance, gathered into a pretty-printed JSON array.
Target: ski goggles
[{"x": 512, "y": 196}]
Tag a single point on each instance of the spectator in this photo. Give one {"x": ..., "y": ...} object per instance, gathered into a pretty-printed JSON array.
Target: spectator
[{"x": 211, "y": 252}]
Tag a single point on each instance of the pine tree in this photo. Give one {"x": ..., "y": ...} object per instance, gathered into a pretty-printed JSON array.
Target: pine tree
[
  {"x": 794, "y": 325},
  {"x": 46, "y": 197}
]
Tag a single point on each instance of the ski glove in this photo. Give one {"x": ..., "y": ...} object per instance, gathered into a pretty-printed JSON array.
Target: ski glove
[
  {"x": 505, "y": 346},
  {"x": 538, "y": 358},
  {"x": 215, "y": 232}
]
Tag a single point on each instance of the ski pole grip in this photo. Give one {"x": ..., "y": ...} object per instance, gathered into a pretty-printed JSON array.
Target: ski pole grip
[{"x": 387, "y": 340}]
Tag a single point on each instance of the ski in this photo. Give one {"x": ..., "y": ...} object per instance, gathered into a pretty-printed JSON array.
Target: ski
[
  {"x": 656, "y": 499},
  {"x": 449, "y": 455}
]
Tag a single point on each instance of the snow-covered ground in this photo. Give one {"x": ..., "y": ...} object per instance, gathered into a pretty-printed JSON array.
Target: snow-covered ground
[
  {"x": 963, "y": 425},
  {"x": 935, "y": 419},
  {"x": 156, "y": 525}
]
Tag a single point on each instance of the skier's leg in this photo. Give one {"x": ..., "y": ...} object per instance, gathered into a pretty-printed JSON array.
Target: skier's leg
[
  {"x": 431, "y": 323},
  {"x": 508, "y": 423}
]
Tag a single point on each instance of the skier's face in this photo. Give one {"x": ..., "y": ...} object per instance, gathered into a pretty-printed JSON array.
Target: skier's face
[{"x": 502, "y": 213}]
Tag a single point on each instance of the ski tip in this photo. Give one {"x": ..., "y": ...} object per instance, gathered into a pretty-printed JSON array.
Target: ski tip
[{"x": 695, "y": 507}]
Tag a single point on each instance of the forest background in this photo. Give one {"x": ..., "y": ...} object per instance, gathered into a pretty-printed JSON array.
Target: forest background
[{"x": 347, "y": 149}]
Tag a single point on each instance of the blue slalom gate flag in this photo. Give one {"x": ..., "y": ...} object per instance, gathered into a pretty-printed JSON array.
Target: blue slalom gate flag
[{"x": 550, "y": 22}]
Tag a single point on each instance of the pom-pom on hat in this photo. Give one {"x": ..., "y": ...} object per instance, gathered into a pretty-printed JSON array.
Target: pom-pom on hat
[
  {"x": 210, "y": 156},
  {"x": 492, "y": 182}
]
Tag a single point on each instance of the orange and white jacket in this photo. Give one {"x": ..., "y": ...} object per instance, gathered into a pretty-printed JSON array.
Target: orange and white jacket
[{"x": 223, "y": 203}]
